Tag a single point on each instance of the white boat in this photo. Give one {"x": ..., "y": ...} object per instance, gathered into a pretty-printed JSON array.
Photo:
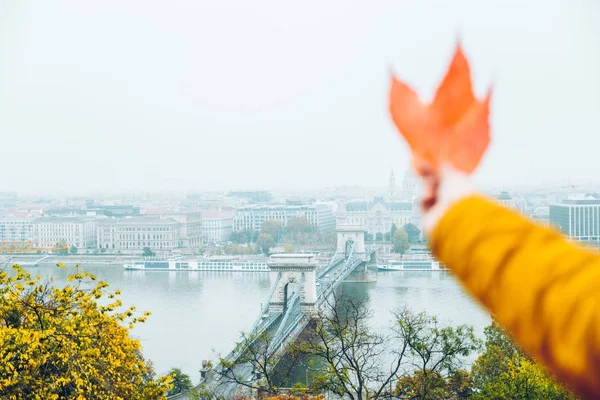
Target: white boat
[
  {"x": 421, "y": 262},
  {"x": 235, "y": 264}
]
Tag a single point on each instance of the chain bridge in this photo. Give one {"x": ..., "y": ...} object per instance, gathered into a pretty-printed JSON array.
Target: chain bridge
[{"x": 298, "y": 288}]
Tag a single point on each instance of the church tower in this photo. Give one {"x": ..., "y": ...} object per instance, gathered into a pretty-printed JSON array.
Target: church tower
[{"x": 392, "y": 184}]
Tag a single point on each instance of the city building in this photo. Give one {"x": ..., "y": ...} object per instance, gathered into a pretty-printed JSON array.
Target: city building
[
  {"x": 515, "y": 203},
  {"x": 132, "y": 235},
  {"x": 253, "y": 196},
  {"x": 410, "y": 185},
  {"x": 578, "y": 217},
  {"x": 541, "y": 214},
  {"x": 252, "y": 217},
  {"x": 217, "y": 226},
  {"x": 408, "y": 190},
  {"x": 119, "y": 211},
  {"x": 212, "y": 201},
  {"x": 106, "y": 234},
  {"x": 72, "y": 231},
  {"x": 8, "y": 200},
  {"x": 376, "y": 216},
  {"x": 116, "y": 210},
  {"x": 190, "y": 227},
  {"x": 392, "y": 184},
  {"x": 16, "y": 229}
]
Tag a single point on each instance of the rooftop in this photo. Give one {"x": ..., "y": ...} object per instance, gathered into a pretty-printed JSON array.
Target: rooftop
[
  {"x": 580, "y": 202},
  {"x": 581, "y": 198},
  {"x": 147, "y": 220},
  {"x": 24, "y": 215},
  {"x": 504, "y": 196},
  {"x": 367, "y": 205},
  {"x": 152, "y": 211},
  {"x": 61, "y": 220},
  {"x": 217, "y": 214},
  {"x": 180, "y": 211},
  {"x": 277, "y": 207}
]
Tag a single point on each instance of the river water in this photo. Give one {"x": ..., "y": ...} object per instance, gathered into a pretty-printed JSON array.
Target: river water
[{"x": 196, "y": 315}]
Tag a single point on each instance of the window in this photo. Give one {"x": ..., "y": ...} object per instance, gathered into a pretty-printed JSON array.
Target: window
[{"x": 157, "y": 264}]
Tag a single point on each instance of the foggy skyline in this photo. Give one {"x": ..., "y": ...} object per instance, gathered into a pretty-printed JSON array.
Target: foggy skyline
[{"x": 189, "y": 96}]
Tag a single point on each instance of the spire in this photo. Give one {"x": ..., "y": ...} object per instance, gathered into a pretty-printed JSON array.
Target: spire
[{"x": 392, "y": 184}]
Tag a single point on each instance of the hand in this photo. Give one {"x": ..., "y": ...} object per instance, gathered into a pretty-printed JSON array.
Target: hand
[{"x": 442, "y": 187}]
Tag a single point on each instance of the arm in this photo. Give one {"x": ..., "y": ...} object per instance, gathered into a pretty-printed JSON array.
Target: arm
[{"x": 544, "y": 290}]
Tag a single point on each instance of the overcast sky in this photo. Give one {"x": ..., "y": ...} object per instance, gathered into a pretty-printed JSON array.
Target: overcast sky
[{"x": 116, "y": 96}]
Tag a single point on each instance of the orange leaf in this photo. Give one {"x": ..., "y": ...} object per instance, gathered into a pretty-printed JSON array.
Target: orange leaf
[{"x": 454, "y": 128}]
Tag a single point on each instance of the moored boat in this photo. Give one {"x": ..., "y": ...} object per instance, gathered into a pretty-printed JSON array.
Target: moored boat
[
  {"x": 413, "y": 262},
  {"x": 219, "y": 263}
]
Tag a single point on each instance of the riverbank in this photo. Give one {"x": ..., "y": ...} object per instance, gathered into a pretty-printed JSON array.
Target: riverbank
[{"x": 34, "y": 260}]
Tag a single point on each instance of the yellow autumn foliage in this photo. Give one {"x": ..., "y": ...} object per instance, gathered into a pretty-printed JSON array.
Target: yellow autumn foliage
[
  {"x": 70, "y": 342},
  {"x": 292, "y": 397}
]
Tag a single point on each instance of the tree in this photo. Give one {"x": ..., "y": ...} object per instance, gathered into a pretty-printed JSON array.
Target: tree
[
  {"x": 147, "y": 252},
  {"x": 504, "y": 371},
  {"x": 102, "y": 250},
  {"x": 243, "y": 237},
  {"x": 360, "y": 363},
  {"x": 460, "y": 384},
  {"x": 62, "y": 248},
  {"x": 265, "y": 242},
  {"x": 256, "y": 355},
  {"x": 348, "y": 358},
  {"x": 202, "y": 392},
  {"x": 457, "y": 385},
  {"x": 70, "y": 341},
  {"x": 436, "y": 351},
  {"x": 328, "y": 238},
  {"x": 73, "y": 249},
  {"x": 400, "y": 241},
  {"x": 413, "y": 233},
  {"x": 298, "y": 229},
  {"x": 237, "y": 237},
  {"x": 272, "y": 227},
  {"x": 288, "y": 248},
  {"x": 430, "y": 382},
  {"x": 299, "y": 224},
  {"x": 233, "y": 249},
  {"x": 393, "y": 230},
  {"x": 181, "y": 382}
]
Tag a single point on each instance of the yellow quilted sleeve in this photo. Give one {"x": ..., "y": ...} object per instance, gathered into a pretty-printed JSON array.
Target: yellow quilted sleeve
[{"x": 543, "y": 289}]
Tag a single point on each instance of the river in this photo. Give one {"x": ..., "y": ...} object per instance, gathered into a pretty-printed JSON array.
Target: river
[{"x": 196, "y": 315}]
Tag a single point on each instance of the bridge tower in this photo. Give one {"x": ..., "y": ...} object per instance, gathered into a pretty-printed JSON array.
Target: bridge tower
[
  {"x": 349, "y": 235},
  {"x": 297, "y": 276}
]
